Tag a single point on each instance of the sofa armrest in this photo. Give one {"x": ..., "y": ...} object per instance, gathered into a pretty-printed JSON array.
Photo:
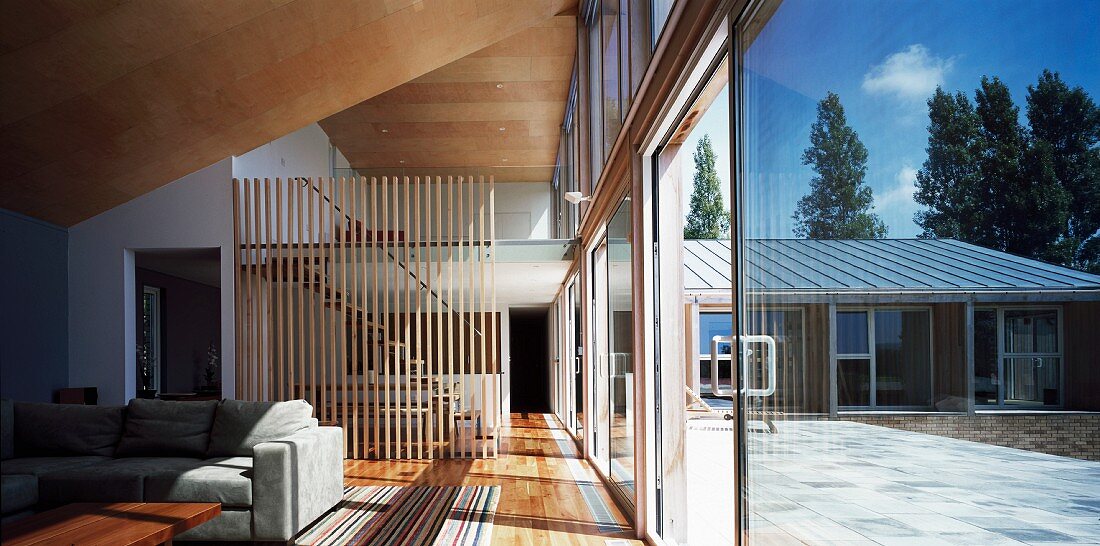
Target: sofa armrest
[{"x": 295, "y": 480}]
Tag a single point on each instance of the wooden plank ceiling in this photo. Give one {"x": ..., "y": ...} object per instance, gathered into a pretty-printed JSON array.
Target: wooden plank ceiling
[
  {"x": 104, "y": 100},
  {"x": 497, "y": 111}
]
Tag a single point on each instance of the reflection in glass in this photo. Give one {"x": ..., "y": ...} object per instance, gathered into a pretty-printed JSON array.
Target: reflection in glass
[
  {"x": 986, "y": 376},
  {"x": 851, "y": 333},
  {"x": 903, "y": 360},
  {"x": 621, "y": 348},
  {"x": 853, "y": 378},
  {"x": 612, "y": 103}
]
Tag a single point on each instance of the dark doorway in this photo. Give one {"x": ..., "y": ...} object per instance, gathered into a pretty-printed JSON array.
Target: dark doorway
[{"x": 529, "y": 360}]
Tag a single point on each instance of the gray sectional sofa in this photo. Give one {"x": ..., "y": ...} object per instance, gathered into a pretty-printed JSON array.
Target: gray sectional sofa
[{"x": 268, "y": 463}]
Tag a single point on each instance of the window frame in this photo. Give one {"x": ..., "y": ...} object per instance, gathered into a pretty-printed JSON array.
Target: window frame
[
  {"x": 1003, "y": 355},
  {"x": 871, "y": 358}
]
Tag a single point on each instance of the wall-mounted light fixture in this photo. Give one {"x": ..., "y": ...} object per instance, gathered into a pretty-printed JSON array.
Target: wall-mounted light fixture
[{"x": 576, "y": 197}]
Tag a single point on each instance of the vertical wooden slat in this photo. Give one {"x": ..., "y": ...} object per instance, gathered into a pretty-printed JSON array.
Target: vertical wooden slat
[
  {"x": 495, "y": 352},
  {"x": 471, "y": 349},
  {"x": 376, "y": 360},
  {"x": 406, "y": 326},
  {"x": 462, "y": 312},
  {"x": 438, "y": 364},
  {"x": 277, "y": 241},
  {"x": 361, "y": 373},
  {"x": 385, "y": 320},
  {"x": 418, "y": 355},
  {"x": 239, "y": 318},
  {"x": 429, "y": 354},
  {"x": 395, "y": 267},
  {"x": 264, "y": 366},
  {"x": 325, "y": 293},
  {"x": 246, "y": 316},
  {"x": 257, "y": 309},
  {"x": 453, "y": 437},
  {"x": 340, "y": 366},
  {"x": 331, "y": 362},
  {"x": 481, "y": 311},
  {"x": 299, "y": 287},
  {"x": 310, "y": 387}
]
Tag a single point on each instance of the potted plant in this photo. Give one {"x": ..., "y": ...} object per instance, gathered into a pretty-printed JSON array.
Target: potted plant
[
  {"x": 145, "y": 368},
  {"x": 210, "y": 373}
]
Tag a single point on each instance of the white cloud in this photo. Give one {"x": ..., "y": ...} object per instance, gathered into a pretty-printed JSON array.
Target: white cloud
[
  {"x": 910, "y": 74},
  {"x": 900, "y": 196}
]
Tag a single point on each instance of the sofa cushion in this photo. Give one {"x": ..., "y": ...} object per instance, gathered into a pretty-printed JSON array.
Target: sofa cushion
[
  {"x": 37, "y": 466},
  {"x": 159, "y": 428},
  {"x": 118, "y": 480},
  {"x": 227, "y": 480},
  {"x": 17, "y": 492},
  {"x": 239, "y": 426},
  {"x": 7, "y": 429},
  {"x": 66, "y": 429}
]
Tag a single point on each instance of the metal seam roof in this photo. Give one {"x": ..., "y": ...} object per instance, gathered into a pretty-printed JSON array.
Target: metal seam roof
[{"x": 875, "y": 264}]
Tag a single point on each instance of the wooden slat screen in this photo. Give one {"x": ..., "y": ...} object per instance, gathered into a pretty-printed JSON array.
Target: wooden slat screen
[{"x": 373, "y": 300}]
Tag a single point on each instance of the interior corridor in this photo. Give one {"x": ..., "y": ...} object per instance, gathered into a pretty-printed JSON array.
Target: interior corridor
[{"x": 549, "y": 495}]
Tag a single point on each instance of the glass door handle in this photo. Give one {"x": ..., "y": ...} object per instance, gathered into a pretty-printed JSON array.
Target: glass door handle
[{"x": 746, "y": 353}]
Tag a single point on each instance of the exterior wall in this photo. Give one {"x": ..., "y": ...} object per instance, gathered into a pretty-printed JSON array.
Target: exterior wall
[
  {"x": 1082, "y": 355},
  {"x": 1074, "y": 435},
  {"x": 817, "y": 358},
  {"x": 34, "y": 354}
]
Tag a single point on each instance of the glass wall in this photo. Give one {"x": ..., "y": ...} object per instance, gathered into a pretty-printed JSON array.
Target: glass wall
[
  {"x": 620, "y": 327},
  {"x": 907, "y": 198}
]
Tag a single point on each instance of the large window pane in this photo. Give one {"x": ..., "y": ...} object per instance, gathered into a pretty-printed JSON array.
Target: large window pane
[
  {"x": 853, "y": 382},
  {"x": 851, "y": 333},
  {"x": 612, "y": 102},
  {"x": 621, "y": 349},
  {"x": 1030, "y": 331},
  {"x": 1032, "y": 381},
  {"x": 903, "y": 362},
  {"x": 897, "y": 172},
  {"x": 986, "y": 375}
]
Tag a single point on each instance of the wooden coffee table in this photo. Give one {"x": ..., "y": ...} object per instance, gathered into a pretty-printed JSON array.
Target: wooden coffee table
[{"x": 123, "y": 523}]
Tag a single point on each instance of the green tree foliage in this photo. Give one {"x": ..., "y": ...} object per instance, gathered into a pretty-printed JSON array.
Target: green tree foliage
[
  {"x": 708, "y": 218},
  {"x": 1068, "y": 121},
  {"x": 949, "y": 184},
  {"x": 991, "y": 182},
  {"x": 839, "y": 203}
]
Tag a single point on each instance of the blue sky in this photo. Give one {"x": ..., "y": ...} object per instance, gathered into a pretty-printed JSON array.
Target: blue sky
[{"x": 884, "y": 59}]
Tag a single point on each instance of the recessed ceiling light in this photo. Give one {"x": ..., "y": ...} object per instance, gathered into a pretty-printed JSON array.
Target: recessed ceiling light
[
  {"x": 402, "y": 161},
  {"x": 504, "y": 159},
  {"x": 502, "y": 128},
  {"x": 385, "y": 130},
  {"x": 500, "y": 86}
]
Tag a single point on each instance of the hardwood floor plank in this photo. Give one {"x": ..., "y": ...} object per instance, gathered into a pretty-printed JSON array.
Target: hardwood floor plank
[{"x": 540, "y": 502}]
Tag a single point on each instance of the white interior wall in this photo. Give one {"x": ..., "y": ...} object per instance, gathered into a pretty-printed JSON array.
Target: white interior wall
[{"x": 195, "y": 211}]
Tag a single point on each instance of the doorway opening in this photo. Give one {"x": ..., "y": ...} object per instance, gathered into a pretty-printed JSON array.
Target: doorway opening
[
  {"x": 178, "y": 323},
  {"x": 530, "y": 366}
]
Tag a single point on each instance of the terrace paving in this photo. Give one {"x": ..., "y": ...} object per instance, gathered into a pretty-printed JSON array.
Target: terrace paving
[{"x": 832, "y": 482}]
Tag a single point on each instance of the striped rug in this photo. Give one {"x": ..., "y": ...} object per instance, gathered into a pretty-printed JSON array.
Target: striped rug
[{"x": 408, "y": 516}]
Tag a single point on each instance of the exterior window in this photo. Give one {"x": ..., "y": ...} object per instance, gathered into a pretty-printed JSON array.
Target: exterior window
[
  {"x": 784, "y": 326},
  {"x": 1023, "y": 368},
  {"x": 661, "y": 9},
  {"x": 612, "y": 118},
  {"x": 710, "y": 325},
  {"x": 152, "y": 338},
  {"x": 895, "y": 370},
  {"x": 595, "y": 100}
]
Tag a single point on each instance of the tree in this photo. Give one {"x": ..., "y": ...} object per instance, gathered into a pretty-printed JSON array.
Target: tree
[
  {"x": 708, "y": 218},
  {"x": 949, "y": 182},
  {"x": 1025, "y": 207},
  {"x": 1068, "y": 121},
  {"x": 838, "y": 205}
]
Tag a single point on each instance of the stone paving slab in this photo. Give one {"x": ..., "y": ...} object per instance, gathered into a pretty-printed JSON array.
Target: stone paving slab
[{"x": 836, "y": 482}]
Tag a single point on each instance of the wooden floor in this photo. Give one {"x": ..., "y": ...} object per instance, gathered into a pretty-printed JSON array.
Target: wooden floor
[{"x": 540, "y": 501}]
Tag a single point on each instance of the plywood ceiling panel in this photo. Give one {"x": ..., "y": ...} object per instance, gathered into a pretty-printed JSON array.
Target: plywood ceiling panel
[
  {"x": 496, "y": 111},
  {"x": 107, "y": 100}
]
